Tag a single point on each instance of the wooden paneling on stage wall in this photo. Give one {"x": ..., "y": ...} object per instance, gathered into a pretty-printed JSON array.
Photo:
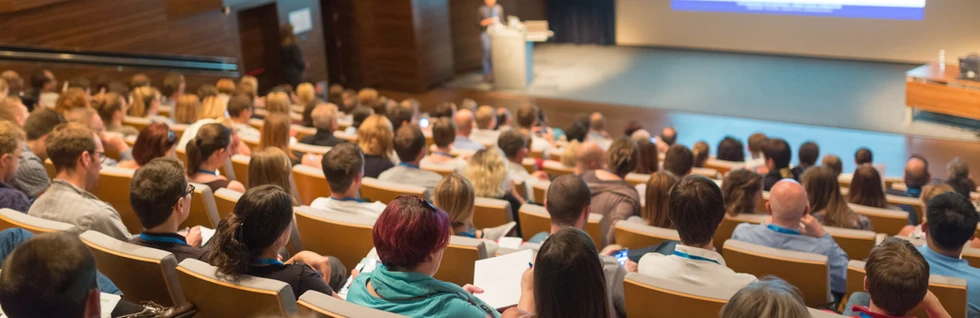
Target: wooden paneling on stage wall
[
  {"x": 189, "y": 27},
  {"x": 467, "y": 52}
]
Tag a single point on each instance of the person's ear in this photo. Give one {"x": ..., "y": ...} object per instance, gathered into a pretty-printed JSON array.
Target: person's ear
[
  {"x": 806, "y": 210},
  {"x": 85, "y": 159},
  {"x": 93, "y": 304},
  {"x": 769, "y": 208},
  {"x": 925, "y": 228},
  {"x": 865, "y": 283}
]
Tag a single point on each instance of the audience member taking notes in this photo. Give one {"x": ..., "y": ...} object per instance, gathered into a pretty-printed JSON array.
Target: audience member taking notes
[{"x": 161, "y": 198}]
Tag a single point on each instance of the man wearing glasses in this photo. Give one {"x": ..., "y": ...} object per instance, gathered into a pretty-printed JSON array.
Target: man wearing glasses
[
  {"x": 161, "y": 198},
  {"x": 77, "y": 154}
]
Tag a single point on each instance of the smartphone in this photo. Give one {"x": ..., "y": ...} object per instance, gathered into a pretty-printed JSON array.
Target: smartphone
[
  {"x": 423, "y": 123},
  {"x": 622, "y": 256}
]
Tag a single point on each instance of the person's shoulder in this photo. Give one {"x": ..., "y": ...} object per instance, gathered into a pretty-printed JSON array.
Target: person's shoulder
[{"x": 306, "y": 140}]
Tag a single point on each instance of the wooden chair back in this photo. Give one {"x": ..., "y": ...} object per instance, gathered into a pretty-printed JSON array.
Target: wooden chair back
[
  {"x": 917, "y": 205},
  {"x": 723, "y": 167},
  {"x": 760, "y": 261},
  {"x": 535, "y": 219},
  {"x": 441, "y": 170},
  {"x": 217, "y": 297},
  {"x": 489, "y": 212},
  {"x": 319, "y": 305},
  {"x": 540, "y": 190},
  {"x": 530, "y": 165},
  {"x": 727, "y": 227},
  {"x": 636, "y": 235},
  {"x": 141, "y": 273},
  {"x": 386, "y": 192},
  {"x": 346, "y": 237},
  {"x": 556, "y": 169},
  {"x": 49, "y": 168},
  {"x": 310, "y": 183},
  {"x": 114, "y": 189},
  {"x": 647, "y": 296},
  {"x": 886, "y": 221},
  {"x": 239, "y": 164},
  {"x": 856, "y": 243},
  {"x": 204, "y": 211},
  {"x": 15, "y": 219},
  {"x": 459, "y": 259},
  {"x": 224, "y": 201},
  {"x": 637, "y": 179}
]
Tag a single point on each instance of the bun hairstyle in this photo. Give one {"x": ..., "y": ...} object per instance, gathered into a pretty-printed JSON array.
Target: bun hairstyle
[
  {"x": 739, "y": 190},
  {"x": 260, "y": 217},
  {"x": 623, "y": 156},
  {"x": 210, "y": 138}
]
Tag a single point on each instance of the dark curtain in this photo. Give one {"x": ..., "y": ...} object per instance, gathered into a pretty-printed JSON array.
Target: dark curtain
[{"x": 583, "y": 21}]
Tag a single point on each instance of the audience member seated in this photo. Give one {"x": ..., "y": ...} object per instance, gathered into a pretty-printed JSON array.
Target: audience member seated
[
  {"x": 793, "y": 228},
  {"x": 809, "y": 152},
  {"x": 161, "y": 198},
  {"x": 959, "y": 170},
  {"x": 139, "y": 80},
  {"x": 271, "y": 166},
  {"x": 566, "y": 265},
  {"x": 172, "y": 89},
  {"x": 454, "y": 195},
  {"x": 897, "y": 281},
  {"x": 649, "y": 157},
  {"x": 146, "y": 104},
  {"x": 443, "y": 110},
  {"x": 366, "y": 97},
  {"x": 76, "y": 153},
  {"x": 12, "y": 109},
  {"x": 72, "y": 99},
  {"x": 410, "y": 238},
  {"x": 343, "y": 166},
  {"x": 325, "y": 120},
  {"x": 443, "y": 134},
  {"x": 577, "y": 131},
  {"x": 867, "y": 190},
  {"x": 207, "y": 152},
  {"x": 358, "y": 115},
  {"x": 11, "y": 144},
  {"x": 950, "y": 224},
  {"x": 464, "y": 128},
  {"x": 240, "y": 111},
  {"x": 186, "y": 108},
  {"x": 155, "y": 141},
  {"x": 833, "y": 162},
  {"x": 769, "y": 297},
  {"x": 405, "y": 113},
  {"x": 375, "y": 137},
  {"x": 505, "y": 121},
  {"x": 654, "y": 211},
  {"x": 697, "y": 208},
  {"x": 597, "y": 131},
  {"x": 278, "y": 102},
  {"x": 828, "y": 204},
  {"x": 730, "y": 149},
  {"x": 757, "y": 161},
  {"x": 542, "y": 137},
  {"x": 110, "y": 108},
  {"x": 30, "y": 176},
  {"x": 569, "y": 154},
  {"x": 640, "y": 135},
  {"x": 515, "y": 147},
  {"x": 410, "y": 147},
  {"x": 588, "y": 157},
  {"x": 667, "y": 138},
  {"x": 211, "y": 111},
  {"x": 306, "y": 97},
  {"x": 42, "y": 82},
  {"x": 275, "y": 133},
  {"x": 777, "y": 154},
  {"x": 916, "y": 176},
  {"x": 742, "y": 190},
  {"x": 678, "y": 161},
  {"x": 701, "y": 152},
  {"x": 486, "y": 121},
  {"x": 487, "y": 170},
  {"x": 248, "y": 243},
  {"x": 929, "y": 191},
  {"x": 90, "y": 118},
  {"x": 863, "y": 156},
  {"x": 612, "y": 196}
]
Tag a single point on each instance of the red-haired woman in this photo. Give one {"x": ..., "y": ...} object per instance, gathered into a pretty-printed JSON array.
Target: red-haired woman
[
  {"x": 410, "y": 237},
  {"x": 155, "y": 141}
]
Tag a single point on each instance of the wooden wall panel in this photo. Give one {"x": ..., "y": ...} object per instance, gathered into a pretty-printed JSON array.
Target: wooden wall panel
[
  {"x": 467, "y": 52},
  {"x": 433, "y": 36},
  {"x": 18, "y": 5}
]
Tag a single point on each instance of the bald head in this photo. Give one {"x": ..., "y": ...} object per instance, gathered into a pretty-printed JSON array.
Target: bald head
[
  {"x": 916, "y": 173},
  {"x": 597, "y": 121},
  {"x": 788, "y": 202},
  {"x": 668, "y": 135},
  {"x": 464, "y": 122},
  {"x": 588, "y": 157}
]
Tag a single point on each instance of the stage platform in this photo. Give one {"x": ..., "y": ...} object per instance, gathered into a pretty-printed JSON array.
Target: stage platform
[{"x": 811, "y": 91}]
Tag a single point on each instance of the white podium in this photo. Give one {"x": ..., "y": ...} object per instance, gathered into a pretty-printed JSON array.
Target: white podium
[{"x": 513, "y": 53}]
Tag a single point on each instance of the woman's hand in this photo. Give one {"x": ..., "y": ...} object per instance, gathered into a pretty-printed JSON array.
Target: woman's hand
[{"x": 472, "y": 289}]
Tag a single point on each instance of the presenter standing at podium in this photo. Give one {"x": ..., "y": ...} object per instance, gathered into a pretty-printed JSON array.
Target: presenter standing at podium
[{"x": 490, "y": 14}]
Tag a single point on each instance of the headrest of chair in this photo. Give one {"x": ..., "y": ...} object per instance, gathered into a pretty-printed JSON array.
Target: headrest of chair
[
  {"x": 210, "y": 272},
  {"x": 372, "y": 182},
  {"x": 228, "y": 194},
  {"x": 126, "y": 248},
  {"x": 334, "y": 217},
  {"x": 653, "y": 230},
  {"x": 342, "y": 308},
  {"x": 307, "y": 170},
  {"x": 34, "y": 221},
  {"x": 713, "y": 293},
  {"x": 770, "y": 252}
]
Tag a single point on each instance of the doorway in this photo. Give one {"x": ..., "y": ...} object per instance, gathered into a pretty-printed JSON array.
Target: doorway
[{"x": 258, "y": 29}]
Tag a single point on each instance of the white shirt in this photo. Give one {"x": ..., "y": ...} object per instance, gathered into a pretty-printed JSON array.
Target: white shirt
[
  {"x": 516, "y": 172},
  {"x": 367, "y": 209},
  {"x": 456, "y": 164},
  {"x": 407, "y": 174},
  {"x": 246, "y": 131},
  {"x": 485, "y": 136},
  {"x": 703, "y": 268}
]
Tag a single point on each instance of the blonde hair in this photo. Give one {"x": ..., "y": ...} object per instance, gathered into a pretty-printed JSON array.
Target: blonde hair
[
  {"x": 226, "y": 86},
  {"x": 305, "y": 93},
  {"x": 11, "y": 137},
  {"x": 275, "y": 133},
  {"x": 270, "y": 166},
  {"x": 249, "y": 82},
  {"x": 186, "y": 108},
  {"x": 375, "y": 136},
  {"x": 71, "y": 99},
  {"x": 568, "y": 154},
  {"x": 454, "y": 194},
  {"x": 143, "y": 98},
  {"x": 13, "y": 109},
  {"x": 213, "y": 107},
  {"x": 488, "y": 172},
  {"x": 277, "y": 102}
]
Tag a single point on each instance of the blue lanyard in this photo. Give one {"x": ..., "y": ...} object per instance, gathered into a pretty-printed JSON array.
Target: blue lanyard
[
  {"x": 348, "y": 199},
  {"x": 914, "y": 191},
  {"x": 783, "y": 230},
  {"x": 694, "y": 257},
  {"x": 443, "y": 154},
  {"x": 865, "y": 315},
  {"x": 213, "y": 173},
  {"x": 164, "y": 239},
  {"x": 267, "y": 261},
  {"x": 405, "y": 164}
]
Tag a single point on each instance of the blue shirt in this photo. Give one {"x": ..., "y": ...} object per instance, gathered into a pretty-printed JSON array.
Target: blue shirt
[
  {"x": 957, "y": 268},
  {"x": 467, "y": 144},
  {"x": 785, "y": 239}
]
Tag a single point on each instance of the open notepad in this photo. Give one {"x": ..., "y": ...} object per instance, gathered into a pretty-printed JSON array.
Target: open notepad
[{"x": 500, "y": 278}]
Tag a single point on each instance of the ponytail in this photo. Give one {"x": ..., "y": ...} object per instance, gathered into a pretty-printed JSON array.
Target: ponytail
[
  {"x": 210, "y": 138},
  {"x": 623, "y": 156},
  {"x": 260, "y": 217},
  {"x": 227, "y": 251}
]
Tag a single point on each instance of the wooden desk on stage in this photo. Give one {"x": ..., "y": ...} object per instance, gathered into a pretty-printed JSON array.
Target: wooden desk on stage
[{"x": 941, "y": 91}]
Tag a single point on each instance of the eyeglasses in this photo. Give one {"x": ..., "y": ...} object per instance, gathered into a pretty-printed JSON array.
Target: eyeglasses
[
  {"x": 190, "y": 189},
  {"x": 102, "y": 157}
]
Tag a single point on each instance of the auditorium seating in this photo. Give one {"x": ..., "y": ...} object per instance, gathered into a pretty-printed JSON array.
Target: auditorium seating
[
  {"x": 856, "y": 243},
  {"x": 204, "y": 211},
  {"x": 723, "y": 167},
  {"x": 727, "y": 227},
  {"x": 458, "y": 260},
  {"x": 885, "y": 221},
  {"x": 917, "y": 205},
  {"x": 218, "y": 297},
  {"x": 16, "y": 219},
  {"x": 319, "y": 305},
  {"x": 637, "y": 235},
  {"x": 637, "y": 179},
  {"x": 141, "y": 273},
  {"x": 346, "y": 237},
  {"x": 540, "y": 190},
  {"x": 302, "y": 131},
  {"x": 239, "y": 163},
  {"x": 304, "y": 148},
  {"x": 761, "y": 205},
  {"x": 441, "y": 170},
  {"x": 530, "y": 165},
  {"x": 137, "y": 122},
  {"x": 310, "y": 183},
  {"x": 252, "y": 143},
  {"x": 535, "y": 219},
  {"x": 706, "y": 172},
  {"x": 654, "y": 297},
  {"x": 224, "y": 201},
  {"x": 789, "y": 265},
  {"x": 950, "y": 291},
  {"x": 340, "y": 134},
  {"x": 556, "y": 169},
  {"x": 114, "y": 189},
  {"x": 386, "y": 192},
  {"x": 49, "y": 168},
  {"x": 489, "y": 212},
  {"x": 972, "y": 256}
]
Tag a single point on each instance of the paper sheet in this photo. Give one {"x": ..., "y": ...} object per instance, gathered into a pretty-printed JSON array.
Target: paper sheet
[
  {"x": 366, "y": 265},
  {"x": 107, "y": 302},
  {"x": 500, "y": 278},
  {"x": 206, "y": 235},
  {"x": 513, "y": 243}
]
